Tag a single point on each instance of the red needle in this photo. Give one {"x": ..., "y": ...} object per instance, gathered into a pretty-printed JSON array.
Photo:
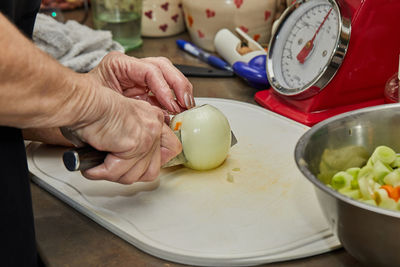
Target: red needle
[{"x": 305, "y": 51}]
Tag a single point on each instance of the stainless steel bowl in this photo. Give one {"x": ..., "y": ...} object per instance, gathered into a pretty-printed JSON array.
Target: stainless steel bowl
[{"x": 370, "y": 234}]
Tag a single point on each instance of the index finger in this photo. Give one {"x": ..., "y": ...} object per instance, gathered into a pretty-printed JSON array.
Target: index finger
[{"x": 177, "y": 82}]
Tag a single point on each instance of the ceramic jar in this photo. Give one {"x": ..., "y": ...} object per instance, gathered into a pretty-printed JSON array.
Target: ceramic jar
[
  {"x": 204, "y": 18},
  {"x": 162, "y": 18}
]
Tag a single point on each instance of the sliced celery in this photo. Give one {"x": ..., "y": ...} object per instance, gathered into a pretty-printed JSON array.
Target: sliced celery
[
  {"x": 352, "y": 193},
  {"x": 341, "y": 180},
  {"x": 366, "y": 171},
  {"x": 369, "y": 201},
  {"x": 380, "y": 195},
  {"x": 384, "y": 154},
  {"x": 380, "y": 170},
  {"x": 393, "y": 178},
  {"x": 389, "y": 204},
  {"x": 353, "y": 171},
  {"x": 354, "y": 184},
  {"x": 367, "y": 187},
  {"x": 396, "y": 162},
  {"x": 365, "y": 183},
  {"x": 364, "y": 188},
  {"x": 370, "y": 163}
]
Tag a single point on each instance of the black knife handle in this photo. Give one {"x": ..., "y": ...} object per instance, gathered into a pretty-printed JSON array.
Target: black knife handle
[
  {"x": 194, "y": 71},
  {"x": 83, "y": 158}
]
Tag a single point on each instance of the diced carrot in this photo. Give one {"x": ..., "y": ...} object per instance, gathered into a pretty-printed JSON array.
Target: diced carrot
[
  {"x": 397, "y": 188},
  {"x": 392, "y": 192},
  {"x": 177, "y": 126}
]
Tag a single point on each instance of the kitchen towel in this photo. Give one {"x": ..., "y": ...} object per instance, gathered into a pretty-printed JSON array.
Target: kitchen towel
[{"x": 74, "y": 45}]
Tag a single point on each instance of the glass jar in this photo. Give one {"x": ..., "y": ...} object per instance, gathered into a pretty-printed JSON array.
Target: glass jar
[{"x": 122, "y": 18}]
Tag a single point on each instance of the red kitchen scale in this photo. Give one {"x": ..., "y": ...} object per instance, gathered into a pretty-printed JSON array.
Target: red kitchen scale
[{"x": 327, "y": 57}]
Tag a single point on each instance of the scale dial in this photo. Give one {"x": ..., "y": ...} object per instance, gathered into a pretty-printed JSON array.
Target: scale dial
[{"x": 307, "y": 47}]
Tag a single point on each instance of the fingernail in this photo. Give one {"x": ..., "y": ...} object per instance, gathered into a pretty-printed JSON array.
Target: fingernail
[
  {"x": 187, "y": 100},
  {"x": 175, "y": 106},
  {"x": 192, "y": 102}
]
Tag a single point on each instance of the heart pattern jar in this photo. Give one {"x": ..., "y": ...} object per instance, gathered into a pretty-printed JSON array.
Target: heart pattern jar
[
  {"x": 206, "y": 17},
  {"x": 162, "y": 18}
]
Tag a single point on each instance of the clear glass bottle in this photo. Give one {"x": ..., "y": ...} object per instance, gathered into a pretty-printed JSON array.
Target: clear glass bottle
[{"x": 122, "y": 18}]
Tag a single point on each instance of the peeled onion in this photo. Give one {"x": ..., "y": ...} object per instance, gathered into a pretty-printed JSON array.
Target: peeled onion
[{"x": 205, "y": 136}]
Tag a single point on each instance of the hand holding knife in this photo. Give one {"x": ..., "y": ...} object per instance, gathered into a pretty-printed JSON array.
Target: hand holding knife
[{"x": 86, "y": 157}]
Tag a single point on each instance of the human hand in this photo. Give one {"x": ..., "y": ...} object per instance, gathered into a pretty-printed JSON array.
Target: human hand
[
  {"x": 132, "y": 131},
  {"x": 152, "y": 79}
]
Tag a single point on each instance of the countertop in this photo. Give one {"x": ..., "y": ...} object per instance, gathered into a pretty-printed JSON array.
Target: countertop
[{"x": 65, "y": 237}]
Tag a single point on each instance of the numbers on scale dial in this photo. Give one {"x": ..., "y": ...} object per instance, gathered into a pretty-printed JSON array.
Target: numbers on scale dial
[{"x": 295, "y": 73}]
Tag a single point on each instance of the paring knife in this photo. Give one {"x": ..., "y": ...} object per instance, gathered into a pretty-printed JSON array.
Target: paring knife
[{"x": 83, "y": 158}]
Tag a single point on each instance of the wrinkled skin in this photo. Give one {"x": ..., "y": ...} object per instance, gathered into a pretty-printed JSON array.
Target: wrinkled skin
[
  {"x": 136, "y": 78},
  {"x": 149, "y": 142},
  {"x": 103, "y": 108}
]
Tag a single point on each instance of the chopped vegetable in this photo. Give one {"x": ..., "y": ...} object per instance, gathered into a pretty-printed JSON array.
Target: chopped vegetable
[
  {"x": 350, "y": 193},
  {"x": 392, "y": 178},
  {"x": 376, "y": 183},
  {"x": 229, "y": 177},
  {"x": 353, "y": 171},
  {"x": 393, "y": 192},
  {"x": 396, "y": 162},
  {"x": 384, "y": 154},
  {"x": 341, "y": 180},
  {"x": 335, "y": 160},
  {"x": 380, "y": 170},
  {"x": 177, "y": 126}
]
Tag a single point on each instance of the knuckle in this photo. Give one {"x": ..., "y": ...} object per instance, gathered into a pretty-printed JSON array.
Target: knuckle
[
  {"x": 111, "y": 176},
  {"x": 152, "y": 69},
  {"x": 150, "y": 175},
  {"x": 147, "y": 141},
  {"x": 164, "y": 60},
  {"x": 131, "y": 144}
]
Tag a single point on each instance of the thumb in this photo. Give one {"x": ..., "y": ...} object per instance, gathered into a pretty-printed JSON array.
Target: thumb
[{"x": 170, "y": 145}]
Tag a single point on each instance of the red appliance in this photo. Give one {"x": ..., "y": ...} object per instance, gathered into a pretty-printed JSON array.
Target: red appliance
[{"x": 362, "y": 69}]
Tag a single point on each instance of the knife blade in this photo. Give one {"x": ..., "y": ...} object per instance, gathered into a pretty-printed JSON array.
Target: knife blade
[{"x": 86, "y": 157}]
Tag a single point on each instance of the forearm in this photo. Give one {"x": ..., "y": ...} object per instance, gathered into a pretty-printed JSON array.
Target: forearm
[
  {"x": 35, "y": 90},
  {"x": 50, "y": 136}
]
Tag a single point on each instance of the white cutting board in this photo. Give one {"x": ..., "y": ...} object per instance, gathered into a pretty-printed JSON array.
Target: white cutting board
[{"x": 255, "y": 208}]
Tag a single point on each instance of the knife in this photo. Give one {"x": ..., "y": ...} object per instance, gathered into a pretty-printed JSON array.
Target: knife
[{"x": 86, "y": 157}]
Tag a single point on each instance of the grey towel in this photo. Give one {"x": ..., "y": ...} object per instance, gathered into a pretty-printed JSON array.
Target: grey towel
[{"x": 74, "y": 45}]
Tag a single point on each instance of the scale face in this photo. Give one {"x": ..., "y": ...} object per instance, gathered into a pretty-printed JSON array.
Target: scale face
[
  {"x": 307, "y": 48},
  {"x": 326, "y": 57}
]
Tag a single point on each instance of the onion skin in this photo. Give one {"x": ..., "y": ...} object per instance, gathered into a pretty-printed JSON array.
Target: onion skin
[{"x": 206, "y": 136}]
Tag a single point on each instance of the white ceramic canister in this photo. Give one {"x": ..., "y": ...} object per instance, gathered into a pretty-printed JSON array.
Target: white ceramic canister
[
  {"x": 204, "y": 18},
  {"x": 162, "y": 18}
]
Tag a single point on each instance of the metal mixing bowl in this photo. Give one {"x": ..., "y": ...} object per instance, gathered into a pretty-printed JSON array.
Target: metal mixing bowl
[{"x": 370, "y": 234}]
